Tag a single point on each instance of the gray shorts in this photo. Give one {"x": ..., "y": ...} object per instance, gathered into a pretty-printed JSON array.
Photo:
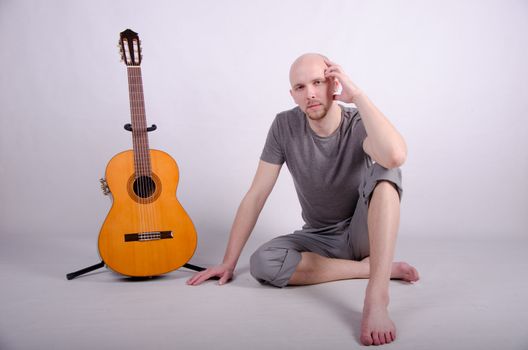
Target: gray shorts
[{"x": 275, "y": 261}]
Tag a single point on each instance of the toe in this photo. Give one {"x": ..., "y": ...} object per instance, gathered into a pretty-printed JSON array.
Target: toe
[
  {"x": 375, "y": 338},
  {"x": 366, "y": 339},
  {"x": 388, "y": 338},
  {"x": 381, "y": 336}
]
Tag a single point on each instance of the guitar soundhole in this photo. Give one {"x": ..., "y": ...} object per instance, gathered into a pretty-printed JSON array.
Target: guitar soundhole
[{"x": 144, "y": 187}]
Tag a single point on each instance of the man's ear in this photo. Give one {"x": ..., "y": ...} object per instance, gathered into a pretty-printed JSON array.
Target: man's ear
[{"x": 336, "y": 87}]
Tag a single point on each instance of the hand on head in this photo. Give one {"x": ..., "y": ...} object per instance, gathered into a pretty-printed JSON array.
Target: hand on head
[{"x": 349, "y": 90}]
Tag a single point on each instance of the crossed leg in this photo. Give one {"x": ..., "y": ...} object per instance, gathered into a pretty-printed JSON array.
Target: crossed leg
[{"x": 383, "y": 221}]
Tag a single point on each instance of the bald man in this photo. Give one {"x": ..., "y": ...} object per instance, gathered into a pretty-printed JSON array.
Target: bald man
[{"x": 345, "y": 165}]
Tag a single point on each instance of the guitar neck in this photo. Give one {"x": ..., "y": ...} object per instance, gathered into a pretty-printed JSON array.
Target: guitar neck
[{"x": 139, "y": 122}]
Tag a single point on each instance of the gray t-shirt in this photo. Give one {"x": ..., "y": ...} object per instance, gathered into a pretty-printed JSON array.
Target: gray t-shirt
[{"x": 326, "y": 171}]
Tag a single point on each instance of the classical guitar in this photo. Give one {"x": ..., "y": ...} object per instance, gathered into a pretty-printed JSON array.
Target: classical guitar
[{"x": 146, "y": 232}]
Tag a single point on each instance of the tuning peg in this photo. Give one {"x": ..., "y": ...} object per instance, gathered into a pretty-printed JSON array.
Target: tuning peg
[{"x": 104, "y": 186}]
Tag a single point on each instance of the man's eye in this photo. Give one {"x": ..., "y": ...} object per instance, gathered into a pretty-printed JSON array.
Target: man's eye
[{"x": 299, "y": 88}]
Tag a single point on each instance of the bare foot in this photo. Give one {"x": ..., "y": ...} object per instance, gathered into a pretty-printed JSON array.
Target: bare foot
[
  {"x": 376, "y": 326},
  {"x": 401, "y": 271}
]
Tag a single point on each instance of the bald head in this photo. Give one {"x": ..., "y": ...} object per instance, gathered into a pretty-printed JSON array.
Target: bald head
[
  {"x": 310, "y": 88},
  {"x": 307, "y": 61}
]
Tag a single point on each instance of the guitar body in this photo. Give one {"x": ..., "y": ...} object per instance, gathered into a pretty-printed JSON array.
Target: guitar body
[{"x": 146, "y": 232}]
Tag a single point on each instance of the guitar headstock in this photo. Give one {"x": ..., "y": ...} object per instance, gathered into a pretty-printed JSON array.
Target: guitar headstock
[{"x": 130, "y": 47}]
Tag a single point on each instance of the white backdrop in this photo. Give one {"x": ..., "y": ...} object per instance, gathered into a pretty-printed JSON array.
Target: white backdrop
[{"x": 451, "y": 75}]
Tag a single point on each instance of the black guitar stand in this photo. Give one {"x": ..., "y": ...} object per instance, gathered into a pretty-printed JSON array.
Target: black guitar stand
[
  {"x": 80, "y": 272},
  {"x": 72, "y": 275},
  {"x": 128, "y": 127}
]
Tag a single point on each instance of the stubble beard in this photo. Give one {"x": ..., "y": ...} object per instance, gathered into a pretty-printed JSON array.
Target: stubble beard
[{"x": 317, "y": 114}]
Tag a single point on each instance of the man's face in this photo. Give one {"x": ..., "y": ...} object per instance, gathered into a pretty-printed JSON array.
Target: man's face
[{"x": 310, "y": 89}]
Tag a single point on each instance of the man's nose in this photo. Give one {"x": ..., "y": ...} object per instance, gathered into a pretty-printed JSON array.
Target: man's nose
[{"x": 310, "y": 92}]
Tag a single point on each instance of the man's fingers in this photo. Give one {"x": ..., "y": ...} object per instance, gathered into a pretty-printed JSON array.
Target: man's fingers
[
  {"x": 333, "y": 72},
  {"x": 193, "y": 279},
  {"x": 200, "y": 277},
  {"x": 217, "y": 273},
  {"x": 328, "y": 62},
  {"x": 337, "y": 75},
  {"x": 224, "y": 279},
  {"x": 332, "y": 68},
  {"x": 207, "y": 275}
]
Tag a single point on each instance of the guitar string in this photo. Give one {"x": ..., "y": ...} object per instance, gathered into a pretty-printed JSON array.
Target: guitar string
[
  {"x": 146, "y": 160},
  {"x": 154, "y": 214},
  {"x": 134, "y": 141},
  {"x": 150, "y": 165},
  {"x": 141, "y": 131},
  {"x": 137, "y": 149}
]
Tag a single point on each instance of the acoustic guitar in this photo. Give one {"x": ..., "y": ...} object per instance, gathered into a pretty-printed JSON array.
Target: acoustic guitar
[{"x": 146, "y": 232}]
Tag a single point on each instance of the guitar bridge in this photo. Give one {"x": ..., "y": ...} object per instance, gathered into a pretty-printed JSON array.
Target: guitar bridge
[{"x": 148, "y": 236}]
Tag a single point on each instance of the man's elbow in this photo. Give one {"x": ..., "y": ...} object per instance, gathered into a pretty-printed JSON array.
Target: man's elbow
[{"x": 396, "y": 159}]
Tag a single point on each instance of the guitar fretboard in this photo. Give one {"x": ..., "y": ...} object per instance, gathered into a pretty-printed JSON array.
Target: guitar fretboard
[{"x": 139, "y": 122}]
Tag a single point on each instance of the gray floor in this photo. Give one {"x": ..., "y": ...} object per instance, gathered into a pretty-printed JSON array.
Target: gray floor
[{"x": 472, "y": 295}]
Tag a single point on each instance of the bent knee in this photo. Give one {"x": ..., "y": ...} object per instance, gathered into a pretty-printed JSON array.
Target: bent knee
[
  {"x": 273, "y": 265},
  {"x": 266, "y": 263},
  {"x": 378, "y": 175}
]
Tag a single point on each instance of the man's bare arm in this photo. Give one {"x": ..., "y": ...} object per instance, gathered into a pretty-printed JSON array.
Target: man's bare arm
[
  {"x": 383, "y": 143},
  {"x": 245, "y": 220}
]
